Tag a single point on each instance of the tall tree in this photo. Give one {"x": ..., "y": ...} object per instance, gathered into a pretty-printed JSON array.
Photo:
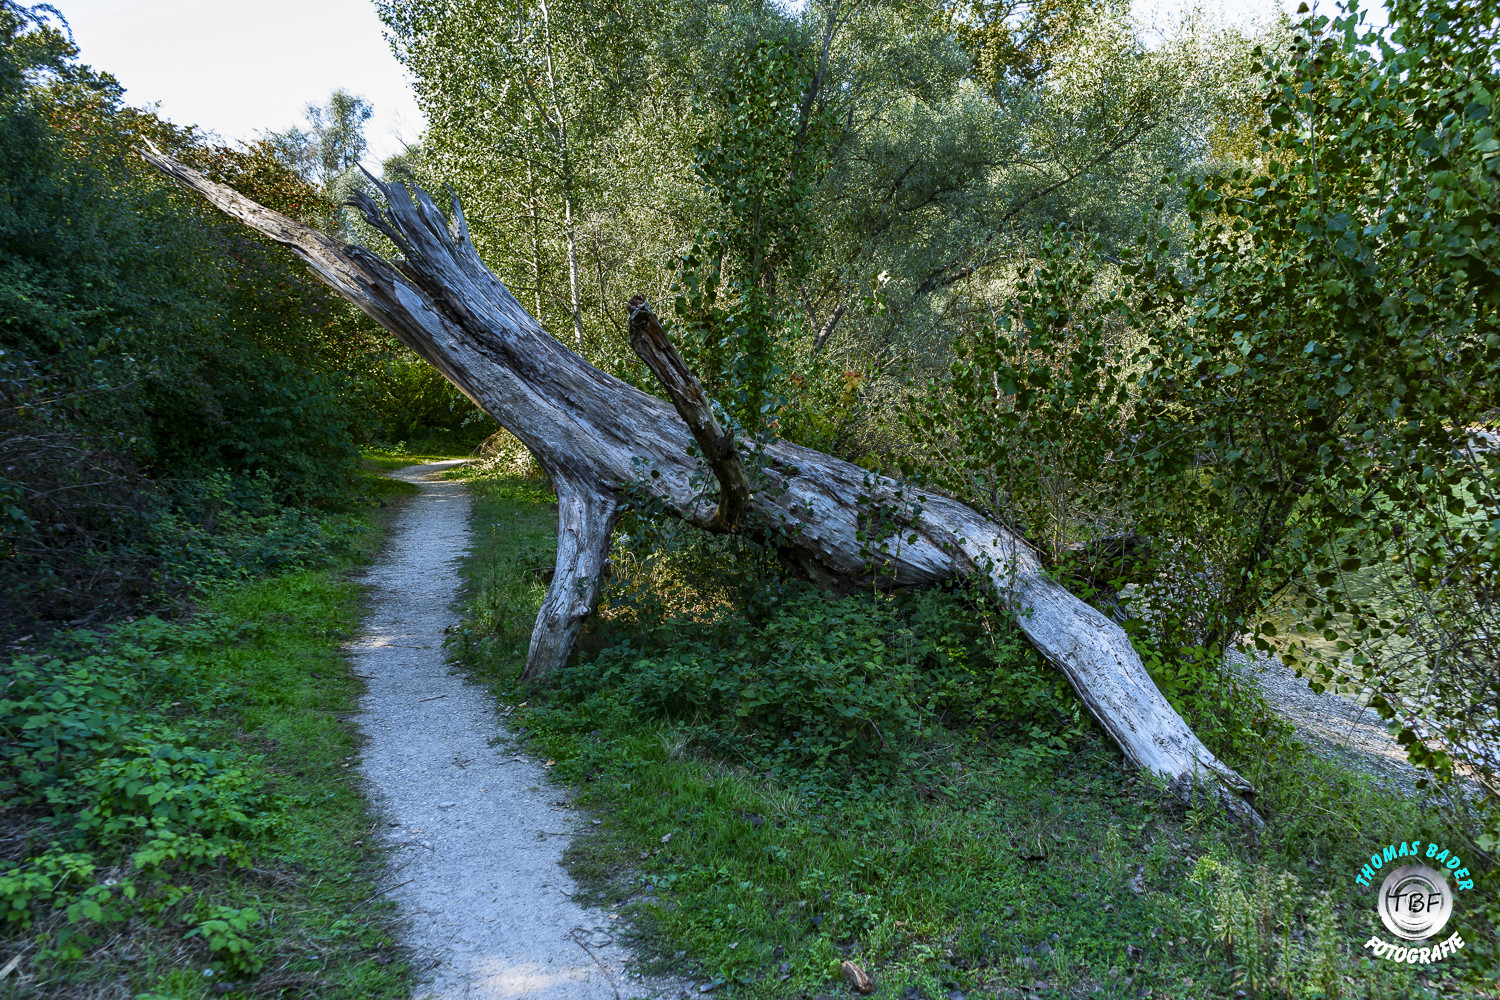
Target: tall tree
[
  {"x": 332, "y": 143},
  {"x": 521, "y": 101}
]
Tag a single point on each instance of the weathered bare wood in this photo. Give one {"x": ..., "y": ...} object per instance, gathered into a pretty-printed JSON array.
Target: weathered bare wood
[
  {"x": 585, "y": 518},
  {"x": 597, "y": 435},
  {"x": 651, "y": 342}
]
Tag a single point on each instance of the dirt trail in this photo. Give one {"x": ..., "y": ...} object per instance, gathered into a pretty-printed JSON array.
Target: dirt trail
[{"x": 475, "y": 834}]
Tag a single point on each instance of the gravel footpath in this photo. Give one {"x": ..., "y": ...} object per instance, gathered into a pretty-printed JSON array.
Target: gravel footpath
[{"x": 475, "y": 835}]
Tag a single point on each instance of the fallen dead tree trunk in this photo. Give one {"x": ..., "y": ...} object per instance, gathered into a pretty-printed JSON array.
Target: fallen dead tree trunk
[{"x": 597, "y": 437}]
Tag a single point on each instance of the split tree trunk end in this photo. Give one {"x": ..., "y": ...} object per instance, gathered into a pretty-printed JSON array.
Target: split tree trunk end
[{"x": 655, "y": 348}]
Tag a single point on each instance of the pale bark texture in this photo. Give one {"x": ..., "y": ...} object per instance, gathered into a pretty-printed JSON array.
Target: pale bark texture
[
  {"x": 717, "y": 447},
  {"x": 597, "y": 437},
  {"x": 586, "y": 516}
]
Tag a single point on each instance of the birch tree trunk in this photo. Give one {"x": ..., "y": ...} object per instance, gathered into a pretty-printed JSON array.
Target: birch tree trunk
[
  {"x": 572, "y": 241},
  {"x": 564, "y": 153},
  {"x": 536, "y": 242},
  {"x": 597, "y": 437}
]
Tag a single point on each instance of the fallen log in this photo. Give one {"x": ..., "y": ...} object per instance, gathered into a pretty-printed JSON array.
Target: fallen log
[{"x": 598, "y": 438}]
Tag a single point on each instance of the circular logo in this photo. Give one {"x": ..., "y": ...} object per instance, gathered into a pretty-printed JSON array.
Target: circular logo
[{"x": 1415, "y": 902}]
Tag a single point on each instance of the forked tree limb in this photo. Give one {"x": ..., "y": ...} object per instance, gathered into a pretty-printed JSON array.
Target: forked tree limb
[{"x": 597, "y": 436}]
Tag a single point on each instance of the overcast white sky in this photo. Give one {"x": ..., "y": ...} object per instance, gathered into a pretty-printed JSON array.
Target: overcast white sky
[{"x": 241, "y": 67}]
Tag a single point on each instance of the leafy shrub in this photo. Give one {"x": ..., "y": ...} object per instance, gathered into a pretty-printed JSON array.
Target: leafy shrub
[
  {"x": 41, "y": 879},
  {"x": 113, "y": 788},
  {"x": 224, "y": 528},
  {"x": 820, "y": 685},
  {"x": 157, "y": 789},
  {"x": 271, "y": 420},
  {"x": 1229, "y": 712},
  {"x": 226, "y": 931}
]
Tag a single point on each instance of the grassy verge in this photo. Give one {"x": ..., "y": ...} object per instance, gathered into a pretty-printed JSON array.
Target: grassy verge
[
  {"x": 389, "y": 461},
  {"x": 178, "y": 817},
  {"x": 944, "y": 853}
]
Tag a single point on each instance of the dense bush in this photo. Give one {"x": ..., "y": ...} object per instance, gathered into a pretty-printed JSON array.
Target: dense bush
[
  {"x": 832, "y": 692},
  {"x": 171, "y": 382},
  {"x": 843, "y": 679},
  {"x": 120, "y": 800}
]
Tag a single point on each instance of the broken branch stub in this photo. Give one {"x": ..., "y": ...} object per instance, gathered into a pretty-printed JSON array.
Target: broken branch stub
[
  {"x": 650, "y": 341},
  {"x": 597, "y": 436}
]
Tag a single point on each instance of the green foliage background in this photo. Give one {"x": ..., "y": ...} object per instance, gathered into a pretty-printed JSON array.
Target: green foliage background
[
  {"x": 170, "y": 382},
  {"x": 1207, "y": 316}
]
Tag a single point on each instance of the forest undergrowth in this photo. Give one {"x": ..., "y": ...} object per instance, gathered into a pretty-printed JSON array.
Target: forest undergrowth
[
  {"x": 785, "y": 781},
  {"x": 178, "y": 820}
]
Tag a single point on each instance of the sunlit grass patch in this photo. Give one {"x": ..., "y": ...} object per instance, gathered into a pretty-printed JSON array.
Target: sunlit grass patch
[{"x": 390, "y": 461}]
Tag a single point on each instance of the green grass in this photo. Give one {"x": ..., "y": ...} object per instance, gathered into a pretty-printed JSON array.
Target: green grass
[
  {"x": 387, "y": 461},
  {"x": 983, "y": 864},
  {"x": 256, "y": 677},
  {"x": 384, "y": 487}
]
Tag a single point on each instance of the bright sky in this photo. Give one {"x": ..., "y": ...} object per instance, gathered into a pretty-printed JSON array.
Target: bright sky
[{"x": 242, "y": 67}]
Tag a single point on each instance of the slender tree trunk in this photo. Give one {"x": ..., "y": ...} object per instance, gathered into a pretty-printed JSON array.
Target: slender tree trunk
[
  {"x": 573, "y": 270},
  {"x": 599, "y": 437},
  {"x": 566, "y": 159},
  {"x": 536, "y": 242}
]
